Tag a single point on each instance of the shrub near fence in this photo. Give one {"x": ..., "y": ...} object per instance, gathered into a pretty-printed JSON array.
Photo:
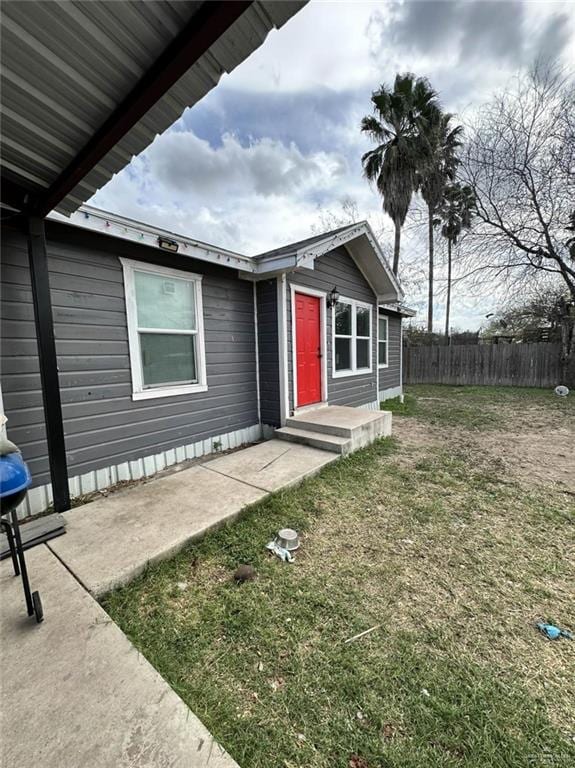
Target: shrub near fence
[{"x": 517, "y": 365}]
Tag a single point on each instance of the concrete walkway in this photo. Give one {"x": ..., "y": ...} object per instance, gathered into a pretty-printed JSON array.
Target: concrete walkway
[
  {"x": 74, "y": 691},
  {"x": 110, "y": 541}
]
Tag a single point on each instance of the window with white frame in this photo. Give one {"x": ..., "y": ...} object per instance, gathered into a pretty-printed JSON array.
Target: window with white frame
[
  {"x": 165, "y": 330},
  {"x": 382, "y": 342},
  {"x": 351, "y": 338}
]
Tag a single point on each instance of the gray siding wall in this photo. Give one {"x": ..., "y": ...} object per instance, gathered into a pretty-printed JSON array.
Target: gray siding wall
[
  {"x": 390, "y": 377},
  {"x": 103, "y": 426},
  {"x": 337, "y": 268},
  {"x": 267, "y": 305}
]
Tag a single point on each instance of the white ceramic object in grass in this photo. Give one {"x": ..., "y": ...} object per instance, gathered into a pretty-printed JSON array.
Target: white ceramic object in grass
[{"x": 288, "y": 539}]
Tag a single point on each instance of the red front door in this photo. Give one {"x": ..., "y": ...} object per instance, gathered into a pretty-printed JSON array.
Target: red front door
[{"x": 308, "y": 349}]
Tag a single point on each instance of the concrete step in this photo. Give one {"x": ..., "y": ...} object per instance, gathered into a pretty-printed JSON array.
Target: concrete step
[
  {"x": 323, "y": 441},
  {"x": 343, "y": 422}
]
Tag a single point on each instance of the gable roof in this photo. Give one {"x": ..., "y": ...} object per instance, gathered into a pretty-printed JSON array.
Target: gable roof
[
  {"x": 88, "y": 85},
  {"x": 361, "y": 244},
  {"x": 300, "y": 244}
]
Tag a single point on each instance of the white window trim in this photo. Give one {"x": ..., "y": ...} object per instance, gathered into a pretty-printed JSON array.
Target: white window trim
[
  {"x": 129, "y": 266},
  {"x": 386, "y": 318},
  {"x": 322, "y": 296},
  {"x": 353, "y": 371}
]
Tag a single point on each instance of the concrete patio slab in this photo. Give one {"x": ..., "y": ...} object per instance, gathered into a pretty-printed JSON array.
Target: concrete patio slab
[
  {"x": 75, "y": 692},
  {"x": 110, "y": 541},
  {"x": 272, "y": 465}
]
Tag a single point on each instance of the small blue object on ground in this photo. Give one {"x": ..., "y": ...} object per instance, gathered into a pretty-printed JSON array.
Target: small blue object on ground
[
  {"x": 552, "y": 632},
  {"x": 280, "y": 552}
]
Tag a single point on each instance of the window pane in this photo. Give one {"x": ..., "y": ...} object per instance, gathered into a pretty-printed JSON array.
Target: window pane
[
  {"x": 362, "y": 355},
  {"x": 382, "y": 329},
  {"x": 343, "y": 319},
  {"x": 342, "y": 354},
  {"x": 168, "y": 359},
  {"x": 383, "y": 353},
  {"x": 362, "y": 318},
  {"x": 165, "y": 302}
]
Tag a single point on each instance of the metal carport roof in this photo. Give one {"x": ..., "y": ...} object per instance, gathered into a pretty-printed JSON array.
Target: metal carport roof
[
  {"x": 68, "y": 69},
  {"x": 85, "y": 86}
]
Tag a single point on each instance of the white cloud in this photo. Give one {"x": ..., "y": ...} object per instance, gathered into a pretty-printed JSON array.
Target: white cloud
[
  {"x": 280, "y": 135},
  {"x": 184, "y": 163},
  {"x": 246, "y": 197}
]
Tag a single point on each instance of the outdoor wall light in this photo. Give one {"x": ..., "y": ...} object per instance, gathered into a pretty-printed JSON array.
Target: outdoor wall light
[
  {"x": 168, "y": 245},
  {"x": 332, "y": 297}
]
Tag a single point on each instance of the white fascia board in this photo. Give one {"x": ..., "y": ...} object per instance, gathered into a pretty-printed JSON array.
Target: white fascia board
[
  {"x": 305, "y": 257},
  {"x": 377, "y": 248},
  {"x": 95, "y": 220},
  {"x": 396, "y": 308},
  {"x": 272, "y": 267}
]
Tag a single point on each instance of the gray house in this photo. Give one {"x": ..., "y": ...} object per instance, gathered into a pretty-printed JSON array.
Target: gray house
[{"x": 169, "y": 349}]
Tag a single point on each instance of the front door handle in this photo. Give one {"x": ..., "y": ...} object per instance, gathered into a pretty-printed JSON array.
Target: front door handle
[{"x": 319, "y": 354}]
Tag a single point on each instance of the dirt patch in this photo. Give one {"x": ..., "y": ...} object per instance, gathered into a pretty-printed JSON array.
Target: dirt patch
[
  {"x": 416, "y": 438},
  {"x": 533, "y": 446},
  {"x": 535, "y": 458}
]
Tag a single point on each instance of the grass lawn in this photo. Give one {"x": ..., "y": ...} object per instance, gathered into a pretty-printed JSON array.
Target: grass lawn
[{"x": 454, "y": 536}]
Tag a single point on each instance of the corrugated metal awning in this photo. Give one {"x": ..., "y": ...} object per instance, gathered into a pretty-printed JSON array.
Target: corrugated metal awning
[{"x": 67, "y": 66}]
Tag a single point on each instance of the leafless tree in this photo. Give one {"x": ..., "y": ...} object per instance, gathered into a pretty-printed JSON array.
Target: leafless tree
[
  {"x": 520, "y": 161},
  {"x": 328, "y": 218},
  {"x": 347, "y": 213}
]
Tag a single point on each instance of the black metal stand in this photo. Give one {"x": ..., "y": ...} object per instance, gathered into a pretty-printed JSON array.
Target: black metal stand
[{"x": 12, "y": 530}]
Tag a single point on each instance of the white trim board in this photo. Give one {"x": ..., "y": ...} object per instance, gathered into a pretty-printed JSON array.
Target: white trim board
[
  {"x": 257, "y": 341},
  {"x": 401, "y": 358},
  {"x": 282, "y": 347},
  {"x": 111, "y": 224},
  {"x": 40, "y": 498},
  {"x": 322, "y": 296}
]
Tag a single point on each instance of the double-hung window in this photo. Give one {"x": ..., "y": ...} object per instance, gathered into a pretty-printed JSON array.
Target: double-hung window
[
  {"x": 165, "y": 330},
  {"x": 382, "y": 342},
  {"x": 351, "y": 338}
]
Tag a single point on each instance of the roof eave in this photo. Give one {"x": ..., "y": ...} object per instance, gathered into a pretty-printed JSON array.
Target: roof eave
[
  {"x": 112, "y": 225},
  {"x": 397, "y": 309},
  {"x": 385, "y": 284}
]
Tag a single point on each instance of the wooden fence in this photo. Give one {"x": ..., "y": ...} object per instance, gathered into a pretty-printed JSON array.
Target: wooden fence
[{"x": 518, "y": 365}]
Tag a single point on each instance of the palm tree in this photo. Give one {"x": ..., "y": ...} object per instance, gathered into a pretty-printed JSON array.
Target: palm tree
[
  {"x": 456, "y": 212},
  {"x": 399, "y": 127},
  {"x": 439, "y": 170}
]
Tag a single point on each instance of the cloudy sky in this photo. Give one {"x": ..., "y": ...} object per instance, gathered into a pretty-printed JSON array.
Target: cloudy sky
[{"x": 269, "y": 154}]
